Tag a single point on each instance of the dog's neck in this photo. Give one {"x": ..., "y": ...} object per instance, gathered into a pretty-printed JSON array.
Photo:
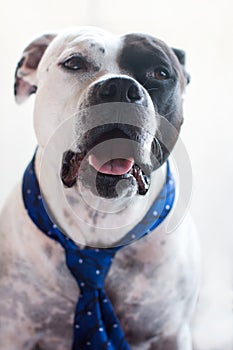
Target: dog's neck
[{"x": 88, "y": 219}]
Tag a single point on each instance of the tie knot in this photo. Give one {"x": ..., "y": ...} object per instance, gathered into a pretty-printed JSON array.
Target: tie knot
[{"x": 89, "y": 266}]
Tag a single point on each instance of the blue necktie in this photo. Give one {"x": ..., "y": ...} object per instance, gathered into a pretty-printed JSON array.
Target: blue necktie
[{"x": 96, "y": 326}]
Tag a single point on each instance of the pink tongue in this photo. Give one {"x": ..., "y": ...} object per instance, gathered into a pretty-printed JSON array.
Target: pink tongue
[{"x": 117, "y": 166}]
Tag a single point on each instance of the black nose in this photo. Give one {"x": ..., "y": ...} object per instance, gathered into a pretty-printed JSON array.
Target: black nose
[{"x": 120, "y": 90}]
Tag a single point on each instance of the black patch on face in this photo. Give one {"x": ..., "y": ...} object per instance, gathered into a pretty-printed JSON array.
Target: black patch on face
[{"x": 140, "y": 57}]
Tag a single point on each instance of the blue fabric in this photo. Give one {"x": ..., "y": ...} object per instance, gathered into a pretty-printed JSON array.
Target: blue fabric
[{"x": 96, "y": 326}]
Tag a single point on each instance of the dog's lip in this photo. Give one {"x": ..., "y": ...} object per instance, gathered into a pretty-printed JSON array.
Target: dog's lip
[{"x": 117, "y": 166}]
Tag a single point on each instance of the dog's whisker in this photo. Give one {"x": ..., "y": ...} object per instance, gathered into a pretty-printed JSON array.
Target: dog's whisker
[
  {"x": 152, "y": 89},
  {"x": 159, "y": 151},
  {"x": 144, "y": 83},
  {"x": 167, "y": 114}
]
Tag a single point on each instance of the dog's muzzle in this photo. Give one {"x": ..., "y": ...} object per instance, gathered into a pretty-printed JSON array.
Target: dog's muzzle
[
  {"x": 110, "y": 157},
  {"x": 113, "y": 151}
]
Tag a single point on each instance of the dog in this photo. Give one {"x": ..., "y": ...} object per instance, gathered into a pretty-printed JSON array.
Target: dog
[{"x": 93, "y": 88}]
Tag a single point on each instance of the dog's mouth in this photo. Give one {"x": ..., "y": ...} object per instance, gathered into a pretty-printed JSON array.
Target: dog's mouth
[
  {"x": 113, "y": 171},
  {"x": 102, "y": 168}
]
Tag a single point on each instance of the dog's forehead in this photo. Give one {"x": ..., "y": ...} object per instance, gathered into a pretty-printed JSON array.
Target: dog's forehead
[
  {"x": 93, "y": 40},
  {"x": 87, "y": 40}
]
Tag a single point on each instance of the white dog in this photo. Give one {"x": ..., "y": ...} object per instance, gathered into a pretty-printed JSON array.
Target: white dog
[{"x": 116, "y": 106}]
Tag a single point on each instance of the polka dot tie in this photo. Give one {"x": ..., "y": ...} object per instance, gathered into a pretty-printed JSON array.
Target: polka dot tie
[{"x": 96, "y": 326}]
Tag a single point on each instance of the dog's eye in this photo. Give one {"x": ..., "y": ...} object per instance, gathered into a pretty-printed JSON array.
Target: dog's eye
[
  {"x": 158, "y": 74},
  {"x": 74, "y": 63}
]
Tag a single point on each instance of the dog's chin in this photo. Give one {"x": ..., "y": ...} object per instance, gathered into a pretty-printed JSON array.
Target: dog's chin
[
  {"x": 125, "y": 179},
  {"x": 112, "y": 186}
]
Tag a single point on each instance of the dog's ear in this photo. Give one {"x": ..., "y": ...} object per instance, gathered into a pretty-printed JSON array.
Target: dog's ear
[
  {"x": 180, "y": 54},
  {"x": 25, "y": 74}
]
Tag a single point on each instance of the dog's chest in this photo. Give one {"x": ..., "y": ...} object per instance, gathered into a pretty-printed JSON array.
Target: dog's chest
[
  {"x": 149, "y": 288},
  {"x": 146, "y": 284}
]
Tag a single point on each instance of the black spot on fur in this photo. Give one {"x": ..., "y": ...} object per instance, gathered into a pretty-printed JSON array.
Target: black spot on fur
[
  {"x": 38, "y": 346},
  {"x": 164, "y": 344},
  {"x": 48, "y": 251}
]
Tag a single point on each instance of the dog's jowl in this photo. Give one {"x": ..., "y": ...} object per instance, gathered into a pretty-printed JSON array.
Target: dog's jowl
[{"x": 86, "y": 259}]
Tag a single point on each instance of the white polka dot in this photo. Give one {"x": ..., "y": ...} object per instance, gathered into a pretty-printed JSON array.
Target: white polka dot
[
  {"x": 97, "y": 250},
  {"x": 29, "y": 191},
  {"x": 54, "y": 226},
  {"x": 97, "y": 272},
  {"x": 105, "y": 300},
  {"x": 49, "y": 233},
  {"x": 80, "y": 261},
  {"x": 89, "y": 313},
  {"x": 77, "y": 326},
  {"x": 115, "y": 325},
  {"x": 155, "y": 213},
  {"x": 167, "y": 207},
  {"x": 39, "y": 196},
  {"x": 82, "y": 284},
  {"x": 170, "y": 182},
  {"x": 101, "y": 329},
  {"x": 88, "y": 343},
  {"x": 133, "y": 236}
]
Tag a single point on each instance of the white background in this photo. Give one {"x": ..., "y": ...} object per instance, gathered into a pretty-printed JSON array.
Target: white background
[{"x": 204, "y": 30}]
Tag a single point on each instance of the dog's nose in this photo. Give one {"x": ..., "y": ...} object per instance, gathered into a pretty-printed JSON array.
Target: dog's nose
[{"x": 120, "y": 90}]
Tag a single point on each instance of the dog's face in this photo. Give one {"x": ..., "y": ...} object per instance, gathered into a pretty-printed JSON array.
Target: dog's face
[{"x": 125, "y": 95}]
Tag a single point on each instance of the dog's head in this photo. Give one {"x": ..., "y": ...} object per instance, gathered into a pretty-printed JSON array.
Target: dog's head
[{"x": 125, "y": 94}]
